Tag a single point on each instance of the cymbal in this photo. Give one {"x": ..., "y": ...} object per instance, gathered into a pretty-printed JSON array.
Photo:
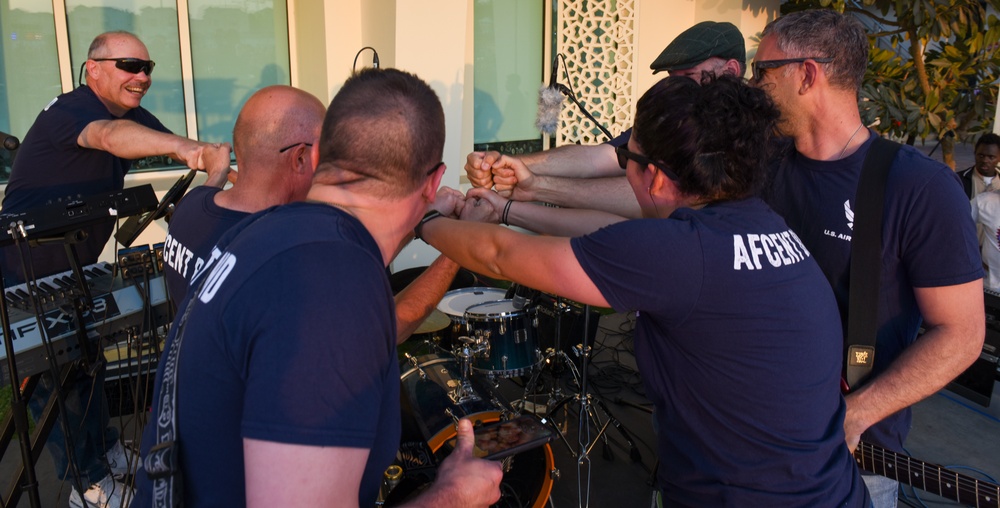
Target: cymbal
[{"x": 436, "y": 321}]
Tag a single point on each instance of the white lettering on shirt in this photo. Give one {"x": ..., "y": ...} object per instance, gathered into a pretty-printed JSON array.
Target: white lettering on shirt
[{"x": 778, "y": 249}]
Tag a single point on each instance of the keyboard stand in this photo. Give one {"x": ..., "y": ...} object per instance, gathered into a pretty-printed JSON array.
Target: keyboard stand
[
  {"x": 82, "y": 302},
  {"x": 19, "y": 417},
  {"x": 24, "y": 474}
]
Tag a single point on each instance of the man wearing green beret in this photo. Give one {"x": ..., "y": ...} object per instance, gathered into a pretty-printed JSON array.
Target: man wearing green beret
[{"x": 589, "y": 176}]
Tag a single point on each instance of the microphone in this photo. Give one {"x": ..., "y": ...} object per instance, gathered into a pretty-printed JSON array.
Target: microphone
[
  {"x": 523, "y": 295},
  {"x": 9, "y": 142},
  {"x": 550, "y": 100}
]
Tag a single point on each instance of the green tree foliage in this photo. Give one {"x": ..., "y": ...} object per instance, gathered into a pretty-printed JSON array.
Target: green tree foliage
[{"x": 933, "y": 67}]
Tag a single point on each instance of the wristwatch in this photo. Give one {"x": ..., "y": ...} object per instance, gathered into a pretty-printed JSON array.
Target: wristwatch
[{"x": 429, "y": 216}]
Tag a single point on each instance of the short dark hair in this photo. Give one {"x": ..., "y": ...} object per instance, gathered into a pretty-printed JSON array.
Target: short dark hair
[
  {"x": 825, "y": 33},
  {"x": 385, "y": 130},
  {"x": 715, "y": 136},
  {"x": 988, "y": 139}
]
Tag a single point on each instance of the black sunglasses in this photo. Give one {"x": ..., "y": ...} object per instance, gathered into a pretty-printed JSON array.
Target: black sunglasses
[
  {"x": 435, "y": 168},
  {"x": 293, "y": 145},
  {"x": 625, "y": 154},
  {"x": 131, "y": 65},
  {"x": 759, "y": 66}
]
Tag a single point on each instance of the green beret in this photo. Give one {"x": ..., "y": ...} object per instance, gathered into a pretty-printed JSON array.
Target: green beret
[{"x": 699, "y": 43}]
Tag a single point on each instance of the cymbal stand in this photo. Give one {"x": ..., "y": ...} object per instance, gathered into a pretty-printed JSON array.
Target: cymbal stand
[{"x": 586, "y": 402}]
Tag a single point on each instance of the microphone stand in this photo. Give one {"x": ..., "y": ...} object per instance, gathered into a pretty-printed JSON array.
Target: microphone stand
[{"x": 572, "y": 96}]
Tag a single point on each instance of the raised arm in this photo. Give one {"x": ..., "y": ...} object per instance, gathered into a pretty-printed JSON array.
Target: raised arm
[
  {"x": 129, "y": 140},
  {"x": 608, "y": 194},
  {"x": 955, "y": 324},
  {"x": 544, "y": 263},
  {"x": 578, "y": 161},
  {"x": 543, "y": 219}
]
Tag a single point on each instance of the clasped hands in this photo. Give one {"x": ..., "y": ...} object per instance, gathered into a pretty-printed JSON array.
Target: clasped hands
[
  {"x": 212, "y": 158},
  {"x": 478, "y": 205},
  {"x": 507, "y": 174}
]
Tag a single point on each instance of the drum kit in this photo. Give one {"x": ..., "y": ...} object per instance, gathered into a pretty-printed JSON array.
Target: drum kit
[{"x": 478, "y": 337}]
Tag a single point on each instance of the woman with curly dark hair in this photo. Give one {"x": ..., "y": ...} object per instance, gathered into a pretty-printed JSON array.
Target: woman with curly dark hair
[{"x": 737, "y": 334}]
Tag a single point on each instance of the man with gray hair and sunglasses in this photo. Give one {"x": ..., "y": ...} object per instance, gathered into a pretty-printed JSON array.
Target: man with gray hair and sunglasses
[
  {"x": 811, "y": 63},
  {"x": 83, "y": 143}
]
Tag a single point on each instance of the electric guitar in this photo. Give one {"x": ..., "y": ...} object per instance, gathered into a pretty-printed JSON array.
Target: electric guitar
[{"x": 926, "y": 476}]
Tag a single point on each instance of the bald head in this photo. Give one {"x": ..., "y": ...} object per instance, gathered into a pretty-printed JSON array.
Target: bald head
[
  {"x": 272, "y": 139},
  {"x": 273, "y": 118},
  {"x": 104, "y": 44}
]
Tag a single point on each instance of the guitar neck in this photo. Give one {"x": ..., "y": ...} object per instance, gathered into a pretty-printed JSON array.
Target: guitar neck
[{"x": 926, "y": 476}]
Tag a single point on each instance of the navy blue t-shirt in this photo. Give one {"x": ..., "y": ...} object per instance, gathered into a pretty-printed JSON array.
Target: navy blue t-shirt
[
  {"x": 928, "y": 240},
  {"x": 50, "y": 165},
  {"x": 195, "y": 227},
  {"x": 290, "y": 339},
  {"x": 738, "y": 341},
  {"x": 621, "y": 139}
]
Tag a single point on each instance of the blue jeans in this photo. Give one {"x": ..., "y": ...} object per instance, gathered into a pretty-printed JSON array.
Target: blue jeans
[
  {"x": 91, "y": 433},
  {"x": 883, "y": 491}
]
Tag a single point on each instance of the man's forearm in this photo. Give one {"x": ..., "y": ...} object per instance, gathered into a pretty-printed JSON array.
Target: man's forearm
[
  {"x": 558, "y": 221},
  {"x": 611, "y": 194},
  {"x": 418, "y": 299},
  {"x": 924, "y": 368},
  {"x": 129, "y": 140},
  {"x": 574, "y": 161}
]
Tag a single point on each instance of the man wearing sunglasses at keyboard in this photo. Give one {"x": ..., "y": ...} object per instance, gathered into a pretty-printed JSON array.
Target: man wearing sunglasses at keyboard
[{"x": 83, "y": 143}]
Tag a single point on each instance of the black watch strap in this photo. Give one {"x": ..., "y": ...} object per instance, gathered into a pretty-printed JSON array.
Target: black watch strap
[{"x": 429, "y": 216}]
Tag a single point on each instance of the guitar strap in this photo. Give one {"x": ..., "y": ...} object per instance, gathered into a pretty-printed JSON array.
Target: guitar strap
[
  {"x": 866, "y": 260},
  {"x": 163, "y": 462}
]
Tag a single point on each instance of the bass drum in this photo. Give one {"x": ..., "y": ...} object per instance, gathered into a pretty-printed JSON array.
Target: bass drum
[{"x": 432, "y": 388}]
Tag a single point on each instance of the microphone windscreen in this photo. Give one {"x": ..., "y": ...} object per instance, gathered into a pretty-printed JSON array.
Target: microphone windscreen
[{"x": 549, "y": 104}]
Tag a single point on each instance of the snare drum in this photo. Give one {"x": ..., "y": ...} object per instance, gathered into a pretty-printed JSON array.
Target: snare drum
[
  {"x": 456, "y": 302},
  {"x": 432, "y": 388},
  {"x": 504, "y": 338}
]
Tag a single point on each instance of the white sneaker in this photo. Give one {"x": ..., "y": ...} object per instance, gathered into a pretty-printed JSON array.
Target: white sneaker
[
  {"x": 122, "y": 460},
  {"x": 107, "y": 493}
]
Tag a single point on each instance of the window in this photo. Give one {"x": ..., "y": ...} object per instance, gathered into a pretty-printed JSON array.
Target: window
[
  {"x": 509, "y": 38},
  {"x": 29, "y": 69},
  {"x": 237, "y": 48}
]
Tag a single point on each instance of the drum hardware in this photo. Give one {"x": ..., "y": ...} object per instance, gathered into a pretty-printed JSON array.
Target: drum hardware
[
  {"x": 390, "y": 479},
  {"x": 477, "y": 346},
  {"x": 430, "y": 390},
  {"x": 413, "y": 361},
  {"x": 554, "y": 359}
]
